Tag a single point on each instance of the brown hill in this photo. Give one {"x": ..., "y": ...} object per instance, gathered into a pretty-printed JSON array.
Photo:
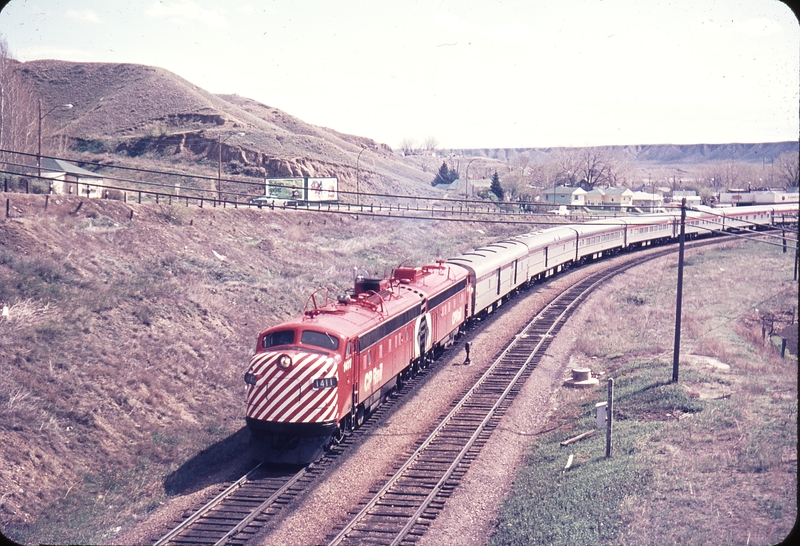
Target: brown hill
[
  {"x": 142, "y": 116},
  {"x": 124, "y": 111}
]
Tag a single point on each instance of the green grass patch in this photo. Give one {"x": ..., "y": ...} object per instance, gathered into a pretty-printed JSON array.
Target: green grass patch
[
  {"x": 584, "y": 504},
  {"x": 709, "y": 460}
]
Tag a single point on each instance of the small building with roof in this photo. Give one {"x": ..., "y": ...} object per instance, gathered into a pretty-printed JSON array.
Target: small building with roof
[
  {"x": 692, "y": 199},
  {"x": 647, "y": 201},
  {"x": 614, "y": 198},
  {"x": 67, "y": 178},
  {"x": 564, "y": 195}
]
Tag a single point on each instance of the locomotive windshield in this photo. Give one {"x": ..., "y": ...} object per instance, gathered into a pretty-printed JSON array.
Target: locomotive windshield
[
  {"x": 279, "y": 337},
  {"x": 320, "y": 339}
]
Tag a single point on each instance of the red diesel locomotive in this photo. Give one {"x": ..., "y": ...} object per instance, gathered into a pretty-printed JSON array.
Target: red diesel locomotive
[{"x": 317, "y": 376}]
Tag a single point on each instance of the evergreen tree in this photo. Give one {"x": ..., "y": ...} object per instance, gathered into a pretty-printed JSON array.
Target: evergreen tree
[
  {"x": 496, "y": 188},
  {"x": 445, "y": 175}
]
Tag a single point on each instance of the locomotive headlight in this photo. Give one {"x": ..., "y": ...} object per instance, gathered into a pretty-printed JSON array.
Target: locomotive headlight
[
  {"x": 285, "y": 362},
  {"x": 250, "y": 378}
]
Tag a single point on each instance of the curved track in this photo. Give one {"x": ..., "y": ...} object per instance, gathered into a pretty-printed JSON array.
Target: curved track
[
  {"x": 403, "y": 506},
  {"x": 410, "y": 499}
]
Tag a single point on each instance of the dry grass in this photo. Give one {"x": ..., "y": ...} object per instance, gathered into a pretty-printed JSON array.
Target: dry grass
[
  {"x": 122, "y": 355},
  {"x": 710, "y": 460}
]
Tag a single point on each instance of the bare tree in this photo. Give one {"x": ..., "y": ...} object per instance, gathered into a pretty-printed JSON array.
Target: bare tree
[
  {"x": 730, "y": 174},
  {"x": 18, "y": 114},
  {"x": 544, "y": 175},
  {"x": 514, "y": 185},
  {"x": 713, "y": 175},
  {"x": 430, "y": 144},
  {"x": 595, "y": 167},
  {"x": 788, "y": 169},
  {"x": 408, "y": 146},
  {"x": 520, "y": 176}
]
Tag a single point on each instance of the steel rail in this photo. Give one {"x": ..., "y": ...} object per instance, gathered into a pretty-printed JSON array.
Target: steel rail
[
  {"x": 585, "y": 286},
  {"x": 207, "y": 507},
  {"x": 414, "y": 457},
  {"x": 484, "y": 423},
  {"x": 260, "y": 508}
]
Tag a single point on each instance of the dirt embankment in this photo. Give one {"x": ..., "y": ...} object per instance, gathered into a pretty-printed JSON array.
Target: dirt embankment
[{"x": 127, "y": 330}]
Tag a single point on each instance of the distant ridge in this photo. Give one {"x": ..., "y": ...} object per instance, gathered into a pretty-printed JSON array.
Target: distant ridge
[
  {"x": 130, "y": 111},
  {"x": 688, "y": 154}
]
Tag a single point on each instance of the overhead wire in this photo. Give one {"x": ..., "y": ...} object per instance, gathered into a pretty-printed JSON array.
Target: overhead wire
[{"x": 463, "y": 215}]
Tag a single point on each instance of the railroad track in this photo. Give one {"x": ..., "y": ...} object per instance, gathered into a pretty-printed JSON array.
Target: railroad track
[
  {"x": 232, "y": 516},
  {"x": 406, "y": 503},
  {"x": 402, "y": 508},
  {"x": 242, "y": 508}
]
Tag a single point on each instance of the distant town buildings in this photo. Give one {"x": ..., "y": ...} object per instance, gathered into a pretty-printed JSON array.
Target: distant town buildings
[{"x": 734, "y": 197}]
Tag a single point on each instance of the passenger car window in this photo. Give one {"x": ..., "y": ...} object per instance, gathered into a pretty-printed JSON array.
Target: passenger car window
[
  {"x": 319, "y": 339},
  {"x": 280, "y": 337}
]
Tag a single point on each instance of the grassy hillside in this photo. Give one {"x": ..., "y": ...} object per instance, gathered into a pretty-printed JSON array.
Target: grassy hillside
[
  {"x": 128, "y": 330},
  {"x": 709, "y": 460},
  {"x": 143, "y": 116}
]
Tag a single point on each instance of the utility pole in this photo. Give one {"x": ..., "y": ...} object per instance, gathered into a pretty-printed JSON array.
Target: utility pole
[
  {"x": 677, "y": 349},
  {"x": 220, "y": 142},
  {"x": 41, "y": 117},
  {"x": 609, "y": 423},
  {"x": 358, "y": 190},
  {"x": 466, "y": 184}
]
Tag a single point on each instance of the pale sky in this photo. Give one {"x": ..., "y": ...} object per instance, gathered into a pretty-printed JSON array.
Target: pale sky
[{"x": 470, "y": 73}]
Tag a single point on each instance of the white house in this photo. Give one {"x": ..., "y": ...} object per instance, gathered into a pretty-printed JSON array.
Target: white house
[
  {"x": 68, "y": 178},
  {"x": 620, "y": 198},
  {"x": 647, "y": 201},
  {"x": 564, "y": 195}
]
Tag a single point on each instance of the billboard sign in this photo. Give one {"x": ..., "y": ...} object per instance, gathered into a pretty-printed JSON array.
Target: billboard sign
[
  {"x": 307, "y": 189},
  {"x": 322, "y": 190},
  {"x": 286, "y": 188}
]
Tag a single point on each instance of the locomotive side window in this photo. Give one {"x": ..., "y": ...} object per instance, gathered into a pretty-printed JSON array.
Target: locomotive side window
[
  {"x": 319, "y": 339},
  {"x": 280, "y": 337}
]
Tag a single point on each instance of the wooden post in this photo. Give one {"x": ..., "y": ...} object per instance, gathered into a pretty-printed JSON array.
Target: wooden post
[
  {"x": 140, "y": 197},
  {"x": 8, "y": 206},
  {"x": 783, "y": 347},
  {"x": 46, "y": 200},
  {"x": 677, "y": 347},
  {"x": 610, "y": 416}
]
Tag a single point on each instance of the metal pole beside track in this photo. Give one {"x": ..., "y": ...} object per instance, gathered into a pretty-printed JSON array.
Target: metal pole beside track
[
  {"x": 610, "y": 406},
  {"x": 677, "y": 348}
]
